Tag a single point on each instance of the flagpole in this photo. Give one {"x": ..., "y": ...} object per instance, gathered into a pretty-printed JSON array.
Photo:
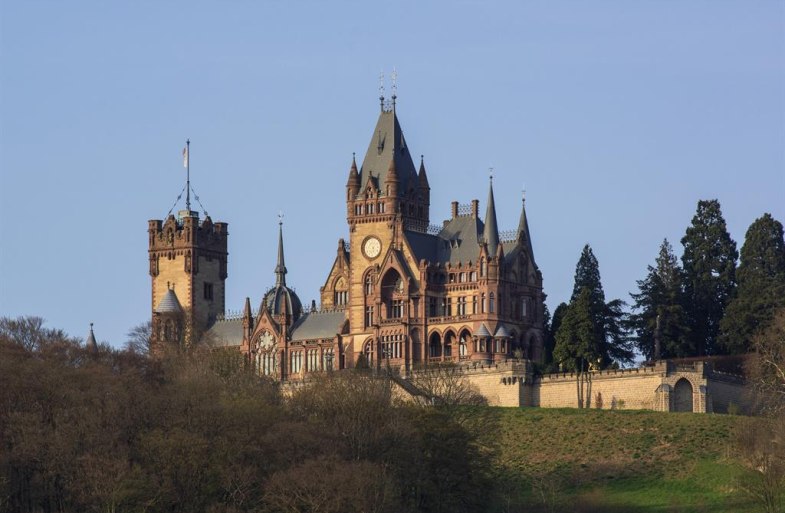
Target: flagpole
[{"x": 188, "y": 175}]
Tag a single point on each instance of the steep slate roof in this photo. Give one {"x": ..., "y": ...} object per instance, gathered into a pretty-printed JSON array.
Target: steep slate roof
[
  {"x": 387, "y": 143},
  {"x": 315, "y": 325},
  {"x": 458, "y": 241},
  {"x": 169, "y": 303},
  {"x": 225, "y": 333}
]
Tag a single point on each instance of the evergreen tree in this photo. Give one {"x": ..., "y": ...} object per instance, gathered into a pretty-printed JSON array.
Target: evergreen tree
[
  {"x": 611, "y": 343},
  {"x": 709, "y": 262},
  {"x": 587, "y": 276},
  {"x": 550, "y": 340},
  {"x": 660, "y": 298},
  {"x": 578, "y": 341},
  {"x": 761, "y": 285}
]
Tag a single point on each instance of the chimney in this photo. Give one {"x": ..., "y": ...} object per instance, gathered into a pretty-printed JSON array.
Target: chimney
[
  {"x": 454, "y": 209},
  {"x": 475, "y": 208}
]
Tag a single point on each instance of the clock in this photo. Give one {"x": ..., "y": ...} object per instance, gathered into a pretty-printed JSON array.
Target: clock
[{"x": 372, "y": 247}]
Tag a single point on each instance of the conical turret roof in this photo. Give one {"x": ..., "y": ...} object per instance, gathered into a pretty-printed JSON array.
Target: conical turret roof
[
  {"x": 91, "y": 343},
  {"x": 388, "y": 145},
  {"x": 169, "y": 303},
  {"x": 491, "y": 231}
]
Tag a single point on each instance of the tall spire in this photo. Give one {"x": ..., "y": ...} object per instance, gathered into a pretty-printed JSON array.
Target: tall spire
[
  {"x": 91, "y": 344},
  {"x": 423, "y": 178},
  {"x": 491, "y": 232},
  {"x": 524, "y": 236},
  {"x": 280, "y": 268},
  {"x": 353, "y": 184}
]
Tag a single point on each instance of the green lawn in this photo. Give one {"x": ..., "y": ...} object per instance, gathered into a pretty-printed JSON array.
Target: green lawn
[{"x": 615, "y": 461}]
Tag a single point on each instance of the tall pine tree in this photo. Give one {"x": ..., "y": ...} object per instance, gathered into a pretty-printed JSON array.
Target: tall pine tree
[
  {"x": 709, "y": 262},
  {"x": 611, "y": 343},
  {"x": 761, "y": 285},
  {"x": 659, "y": 309}
]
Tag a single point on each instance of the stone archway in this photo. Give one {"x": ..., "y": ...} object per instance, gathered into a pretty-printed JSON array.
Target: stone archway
[{"x": 682, "y": 396}]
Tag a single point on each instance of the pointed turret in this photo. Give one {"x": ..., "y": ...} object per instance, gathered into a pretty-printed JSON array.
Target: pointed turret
[
  {"x": 388, "y": 145},
  {"x": 391, "y": 180},
  {"x": 280, "y": 268},
  {"x": 422, "y": 177},
  {"x": 91, "y": 345},
  {"x": 281, "y": 300},
  {"x": 491, "y": 232},
  {"x": 524, "y": 237},
  {"x": 353, "y": 184}
]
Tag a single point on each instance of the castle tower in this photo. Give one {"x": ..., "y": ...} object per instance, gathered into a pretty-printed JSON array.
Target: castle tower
[{"x": 188, "y": 262}]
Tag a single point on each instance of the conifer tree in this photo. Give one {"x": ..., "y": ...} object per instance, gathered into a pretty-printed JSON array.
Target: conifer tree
[
  {"x": 578, "y": 342},
  {"x": 659, "y": 309},
  {"x": 761, "y": 285},
  {"x": 709, "y": 263},
  {"x": 610, "y": 343}
]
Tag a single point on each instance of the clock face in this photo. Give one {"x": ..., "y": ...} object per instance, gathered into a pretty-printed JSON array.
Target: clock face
[{"x": 372, "y": 247}]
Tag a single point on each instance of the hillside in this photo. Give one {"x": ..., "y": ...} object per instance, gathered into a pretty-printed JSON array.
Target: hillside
[{"x": 631, "y": 461}]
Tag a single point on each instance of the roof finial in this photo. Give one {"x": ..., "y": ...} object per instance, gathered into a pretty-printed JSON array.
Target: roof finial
[
  {"x": 280, "y": 267},
  {"x": 490, "y": 173},
  {"x": 381, "y": 89},
  {"x": 394, "y": 78},
  {"x": 523, "y": 193}
]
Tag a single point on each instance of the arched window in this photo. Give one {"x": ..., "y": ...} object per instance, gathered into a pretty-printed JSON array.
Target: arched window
[
  {"x": 482, "y": 268},
  {"x": 368, "y": 285},
  {"x": 491, "y": 303}
]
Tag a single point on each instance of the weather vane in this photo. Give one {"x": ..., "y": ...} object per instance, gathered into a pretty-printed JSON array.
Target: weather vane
[
  {"x": 280, "y": 217},
  {"x": 381, "y": 84},
  {"x": 490, "y": 172},
  {"x": 523, "y": 193}
]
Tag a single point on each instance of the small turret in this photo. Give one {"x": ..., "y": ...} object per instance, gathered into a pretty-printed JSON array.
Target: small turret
[
  {"x": 391, "y": 181},
  {"x": 491, "y": 232},
  {"x": 91, "y": 345},
  {"x": 353, "y": 184},
  {"x": 422, "y": 176},
  {"x": 281, "y": 301}
]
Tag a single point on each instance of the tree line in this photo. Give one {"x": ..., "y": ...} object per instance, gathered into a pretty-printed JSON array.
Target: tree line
[
  {"x": 707, "y": 305},
  {"x": 114, "y": 430}
]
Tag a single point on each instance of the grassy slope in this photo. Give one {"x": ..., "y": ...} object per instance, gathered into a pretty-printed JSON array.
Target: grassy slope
[{"x": 633, "y": 461}]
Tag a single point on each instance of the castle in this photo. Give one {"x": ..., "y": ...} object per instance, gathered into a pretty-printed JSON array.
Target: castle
[{"x": 401, "y": 293}]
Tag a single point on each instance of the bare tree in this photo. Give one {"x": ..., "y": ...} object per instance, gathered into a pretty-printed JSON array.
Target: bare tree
[
  {"x": 445, "y": 384},
  {"x": 761, "y": 441},
  {"x": 139, "y": 338}
]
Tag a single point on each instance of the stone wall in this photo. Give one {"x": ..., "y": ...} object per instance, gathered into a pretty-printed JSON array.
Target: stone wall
[{"x": 629, "y": 388}]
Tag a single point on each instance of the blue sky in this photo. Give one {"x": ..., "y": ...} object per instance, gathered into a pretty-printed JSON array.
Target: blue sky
[{"x": 617, "y": 116}]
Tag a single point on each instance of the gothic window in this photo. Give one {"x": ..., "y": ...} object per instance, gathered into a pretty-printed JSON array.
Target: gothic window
[
  {"x": 396, "y": 312},
  {"x": 432, "y": 307},
  {"x": 452, "y": 277},
  {"x": 369, "y": 352},
  {"x": 341, "y": 297},
  {"x": 462, "y": 348},
  {"x": 482, "y": 268},
  {"x": 313, "y": 360},
  {"x": 473, "y": 276},
  {"x": 462, "y": 278},
  {"x": 368, "y": 316},
  {"x": 482, "y": 302},
  {"x": 328, "y": 359},
  {"x": 474, "y": 304},
  {"x": 368, "y": 285},
  {"x": 208, "y": 291},
  {"x": 448, "y": 309},
  {"x": 524, "y": 308},
  {"x": 296, "y": 362},
  {"x": 491, "y": 303},
  {"x": 462, "y": 305},
  {"x": 266, "y": 363}
]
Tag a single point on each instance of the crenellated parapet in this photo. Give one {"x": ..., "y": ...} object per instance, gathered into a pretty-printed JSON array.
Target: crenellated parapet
[{"x": 189, "y": 238}]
